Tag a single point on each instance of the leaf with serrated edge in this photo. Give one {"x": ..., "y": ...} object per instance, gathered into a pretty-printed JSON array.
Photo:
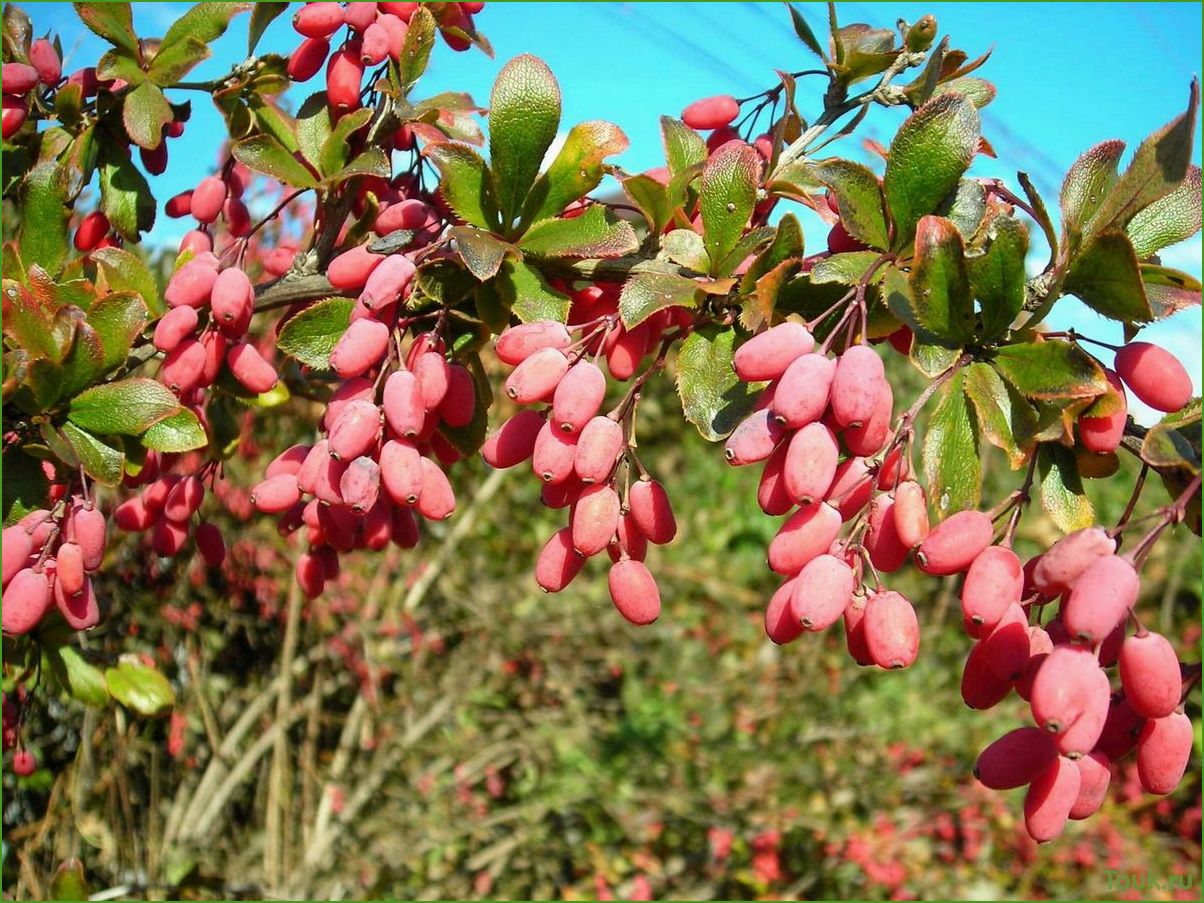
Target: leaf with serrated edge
[
  {"x": 860, "y": 199},
  {"x": 481, "y": 251},
  {"x": 1088, "y": 182},
  {"x": 1006, "y": 419},
  {"x": 1105, "y": 275},
  {"x": 940, "y": 288},
  {"x": 118, "y": 318},
  {"x": 713, "y": 399},
  {"x": 127, "y": 407},
  {"x": 265, "y": 154},
  {"x": 1169, "y": 220},
  {"x": 524, "y": 112},
  {"x": 997, "y": 275},
  {"x": 684, "y": 147},
  {"x": 728, "y": 194},
  {"x": 101, "y": 461},
  {"x": 311, "y": 335},
  {"x": 1061, "y": 488},
  {"x": 466, "y": 183},
  {"x": 577, "y": 169},
  {"x": 528, "y": 295},
  {"x": 646, "y": 293},
  {"x": 1158, "y": 166},
  {"x": 846, "y": 269},
  {"x": 928, "y": 155},
  {"x": 1050, "y": 370},
  {"x": 596, "y": 233},
  {"x": 950, "y": 453}
]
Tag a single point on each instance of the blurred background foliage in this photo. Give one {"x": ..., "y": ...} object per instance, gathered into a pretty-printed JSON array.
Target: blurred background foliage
[{"x": 449, "y": 731}]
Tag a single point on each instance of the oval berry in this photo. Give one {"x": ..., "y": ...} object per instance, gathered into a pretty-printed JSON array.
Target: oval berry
[
  {"x": 767, "y": 355},
  {"x": 781, "y": 626},
  {"x": 558, "y": 562},
  {"x": 1050, "y": 798},
  {"x": 552, "y": 459},
  {"x": 1095, "y": 773},
  {"x": 514, "y": 440},
  {"x": 1063, "y": 687},
  {"x": 578, "y": 396},
  {"x": 892, "y": 630},
  {"x": 953, "y": 544},
  {"x": 1149, "y": 673},
  {"x": 1163, "y": 749},
  {"x": 1062, "y": 563},
  {"x": 857, "y": 385},
  {"x": 1100, "y": 598},
  {"x": 652, "y": 511},
  {"x": 26, "y": 599},
  {"x": 1154, "y": 375},
  {"x": 802, "y": 393},
  {"x": 711, "y": 112},
  {"x": 810, "y": 465},
  {"x": 911, "y": 513},
  {"x": 518, "y": 343},
  {"x": 822, "y": 592},
  {"x": 1015, "y": 759},
  {"x": 634, "y": 592},
  {"x": 401, "y": 471},
  {"x": 537, "y": 377},
  {"x": 361, "y": 347},
  {"x": 993, "y": 584},
  {"x": 595, "y": 519}
]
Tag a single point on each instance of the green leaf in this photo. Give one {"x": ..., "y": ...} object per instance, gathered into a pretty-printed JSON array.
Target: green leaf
[
  {"x": 596, "y": 233},
  {"x": 140, "y": 688},
  {"x": 950, "y": 453},
  {"x": 124, "y": 272},
  {"x": 112, "y": 21},
  {"x": 728, "y": 196},
  {"x": 265, "y": 154},
  {"x": 713, "y": 399},
  {"x": 466, "y": 183},
  {"x": 185, "y": 44},
  {"x": 274, "y": 121},
  {"x": 524, "y": 112},
  {"x": 180, "y": 432},
  {"x": 965, "y": 207},
  {"x": 860, "y": 199},
  {"x": 1062, "y": 493},
  {"x": 372, "y": 162},
  {"x": 28, "y": 323},
  {"x": 932, "y": 360},
  {"x": 1174, "y": 442},
  {"x": 577, "y": 169},
  {"x": 846, "y": 269},
  {"x": 123, "y": 64},
  {"x": 101, "y": 461},
  {"x": 144, "y": 114},
  {"x": 941, "y": 301},
  {"x": 997, "y": 275},
  {"x": 928, "y": 155},
  {"x": 416, "y": 51},
  {"x": 684, "y": 147},
  {"x": 125, "y": 196},
  {"x": 24, "y": 486},
  {"x": 482, "y": 252},
  {"x": 1051, "y": 370},
  {"x": 1169, "y": 220},
  {"x": 1007, "y": 421},
  {"x": 313, "y": 127},
  {"x": 684, "y": 247},
  {"x": 646, "y": 293},
  {"x": 978, "y": 91},
  {"x": 1157, "y": 168},
  {"x": 787, "y": 245},
  {"x": 1166, "y": 300},
  {"x": 1088, "y": 182},
  {"x": 127, "y": 407},
  {"x": 652, "y": 198},
  {"x": 336, "y": 147},
  {"x": 85, "y": 362},
  {"x": 311, "y": 335},
  {"x": 262, "y": 15},
  {"x": 69, "y": 882},
  {"x": 805, "y": 34},
  {"x": 42, "y": 224},
  {"x": 1105, "y": 275},
  {"x": 83, "y": 681},
  {"x": 528, "y": 294}
]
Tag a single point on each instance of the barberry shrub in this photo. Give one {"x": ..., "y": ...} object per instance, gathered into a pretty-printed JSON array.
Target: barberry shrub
[{"x": 437, "y": 288}]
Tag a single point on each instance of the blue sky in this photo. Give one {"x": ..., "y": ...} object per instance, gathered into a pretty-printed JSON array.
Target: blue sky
[{"x": 1069, "y": 74}]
